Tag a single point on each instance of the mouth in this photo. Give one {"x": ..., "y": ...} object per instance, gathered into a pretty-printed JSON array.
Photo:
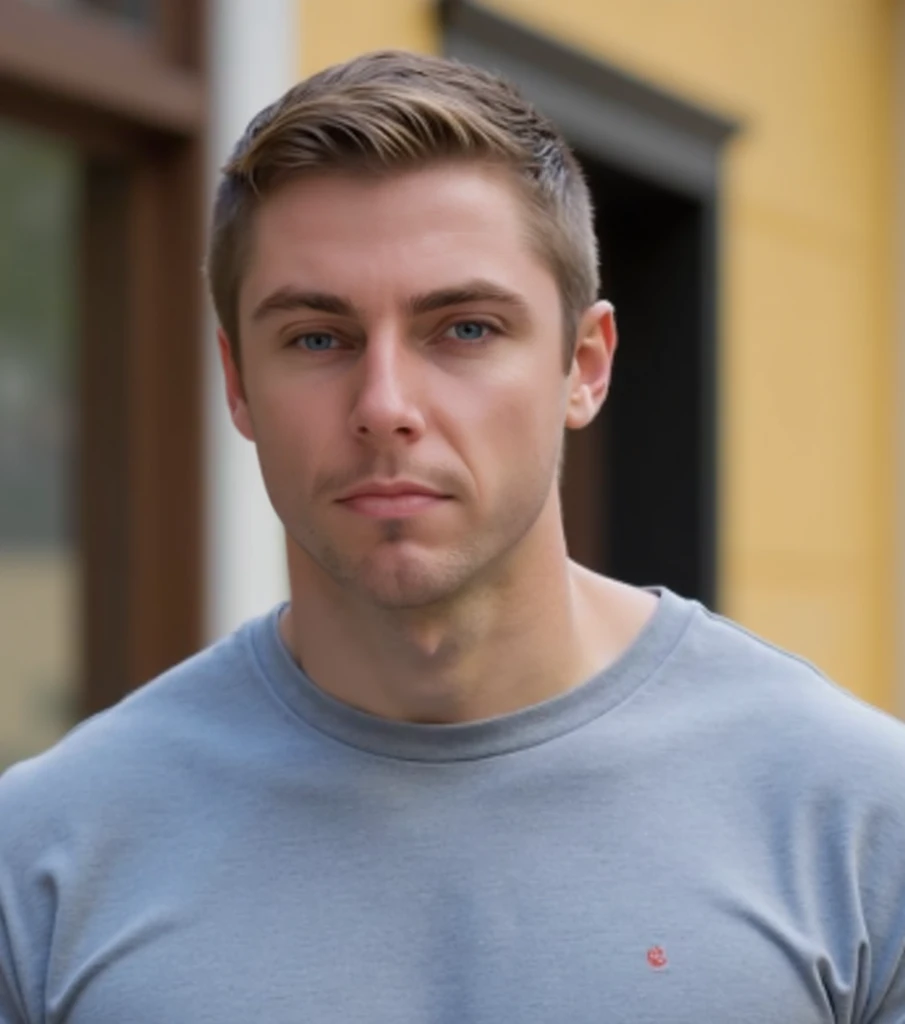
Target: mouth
[{"x": 392, "y": 500}]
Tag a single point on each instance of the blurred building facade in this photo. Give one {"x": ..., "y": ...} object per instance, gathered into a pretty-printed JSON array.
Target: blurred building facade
[{"x": 743, "y": 159}]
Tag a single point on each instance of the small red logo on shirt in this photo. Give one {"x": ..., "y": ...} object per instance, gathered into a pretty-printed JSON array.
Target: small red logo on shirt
[{"x": 656, "y": 957}]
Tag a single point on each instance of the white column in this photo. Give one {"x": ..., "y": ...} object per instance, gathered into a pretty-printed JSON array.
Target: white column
[{"x": 254, "y": 57}]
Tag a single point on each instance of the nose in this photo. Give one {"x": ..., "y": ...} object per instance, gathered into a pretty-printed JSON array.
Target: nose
[{"x": 385, "y": 409}]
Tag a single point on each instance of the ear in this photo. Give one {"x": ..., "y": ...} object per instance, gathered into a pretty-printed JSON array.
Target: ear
[
  {"x": 235, "y": 390},
  {"x": 592, "y": 364}
]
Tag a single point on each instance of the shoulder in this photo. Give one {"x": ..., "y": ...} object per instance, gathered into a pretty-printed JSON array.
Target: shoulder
[
  {"x": 96, "y": 801},
  {"x": 121, "y": 751},
  {"x": 823, "y": 775},
  {"x": 787, "y": 714}
]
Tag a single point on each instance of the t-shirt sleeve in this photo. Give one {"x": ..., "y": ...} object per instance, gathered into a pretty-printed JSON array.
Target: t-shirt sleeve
[
  {"x": 12, "y": 1010},
  {"x": 881, "y": 851},
  {"x": 893, "y": 1012},
  {"x": 24, "y": 904},
  {"x": 891, "y": 1003}
]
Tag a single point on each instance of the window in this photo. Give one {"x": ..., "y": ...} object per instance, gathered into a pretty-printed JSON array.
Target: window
[{"x": 101, "y": 185}]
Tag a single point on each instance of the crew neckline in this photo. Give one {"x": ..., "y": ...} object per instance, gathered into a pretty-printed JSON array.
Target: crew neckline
[{"x": 504, "y": 734}]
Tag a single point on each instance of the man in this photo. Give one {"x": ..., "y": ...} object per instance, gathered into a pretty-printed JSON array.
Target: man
[{"x": 458, "y": 778}]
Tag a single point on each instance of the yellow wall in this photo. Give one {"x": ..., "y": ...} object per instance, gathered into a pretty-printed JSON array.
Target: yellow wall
[
  {"x": 807, "y": 535},
  {"x": 334, "y": 30}
]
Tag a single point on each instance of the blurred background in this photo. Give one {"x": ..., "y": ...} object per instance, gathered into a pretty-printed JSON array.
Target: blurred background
[{"x": 745, "y": 161}]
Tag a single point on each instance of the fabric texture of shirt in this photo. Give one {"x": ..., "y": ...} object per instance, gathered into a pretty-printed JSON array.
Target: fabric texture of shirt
[{"x": 708, "y": 830}]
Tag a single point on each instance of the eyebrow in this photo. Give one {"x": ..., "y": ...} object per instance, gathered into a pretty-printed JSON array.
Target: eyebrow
[
  {"x": 289, "y": 299},
  {"x": 476, "y": 290}
]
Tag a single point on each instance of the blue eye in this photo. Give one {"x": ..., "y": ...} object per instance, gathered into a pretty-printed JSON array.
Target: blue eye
[
  {"x": 470, "y": 330},
  {"x": 317, "y": 341}
]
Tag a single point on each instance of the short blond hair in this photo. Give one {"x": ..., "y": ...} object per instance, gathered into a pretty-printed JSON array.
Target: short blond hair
[{"x": 393, "y": 110}]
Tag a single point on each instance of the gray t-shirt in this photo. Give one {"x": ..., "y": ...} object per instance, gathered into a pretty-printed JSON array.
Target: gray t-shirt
[{"x": 708, "y": 831}]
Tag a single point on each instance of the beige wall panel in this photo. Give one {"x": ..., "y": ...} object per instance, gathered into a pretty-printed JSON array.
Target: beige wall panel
[
  {"x": 797, "y": 463},
  {"x": 39, "y": 631}
]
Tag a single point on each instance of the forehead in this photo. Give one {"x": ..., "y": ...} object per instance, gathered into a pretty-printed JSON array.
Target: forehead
[{"x": 392, "y": 236}]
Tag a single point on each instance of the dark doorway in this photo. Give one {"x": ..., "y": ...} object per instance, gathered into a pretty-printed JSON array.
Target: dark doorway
[
  {"x": 638, "y": 484},
  {"x": 640, "y": 490}
]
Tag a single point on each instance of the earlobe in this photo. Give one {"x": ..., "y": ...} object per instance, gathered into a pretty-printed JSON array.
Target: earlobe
[
  {"x": 235, "y": 390},
  {"x": 592, "y": 364}
]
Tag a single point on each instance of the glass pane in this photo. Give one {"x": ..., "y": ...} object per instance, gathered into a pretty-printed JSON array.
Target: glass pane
[
  {"x": 39, "y": 572},
  {"x": 132, "y": 12}
]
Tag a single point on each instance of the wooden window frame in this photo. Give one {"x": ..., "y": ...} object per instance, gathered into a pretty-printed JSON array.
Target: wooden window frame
[{"x": 134, "y": 99}]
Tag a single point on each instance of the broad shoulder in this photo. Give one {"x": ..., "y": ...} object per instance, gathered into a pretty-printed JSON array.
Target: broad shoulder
[
  {"x": 161, "y": 728},
  {"x": 774, "y": 705}
]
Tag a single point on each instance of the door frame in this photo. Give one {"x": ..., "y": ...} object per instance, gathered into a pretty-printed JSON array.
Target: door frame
[{"x": 631, "y": 125}]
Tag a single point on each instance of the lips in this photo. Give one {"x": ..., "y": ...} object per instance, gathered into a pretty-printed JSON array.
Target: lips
[
  {"x": 391, "y": 499},
  {"x": 390, "y": 489}
]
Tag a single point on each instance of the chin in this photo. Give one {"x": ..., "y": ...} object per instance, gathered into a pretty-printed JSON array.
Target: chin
[
  {"x": 398, "y": 574},
  {"x": 408, "y": 582}
]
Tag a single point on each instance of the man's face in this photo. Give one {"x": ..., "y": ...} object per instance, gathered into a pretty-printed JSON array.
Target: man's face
[{"x": 402, "y": 378}]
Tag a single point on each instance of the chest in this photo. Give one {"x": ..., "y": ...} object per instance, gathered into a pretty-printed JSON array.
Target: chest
[{"x": 414, "y": 919}]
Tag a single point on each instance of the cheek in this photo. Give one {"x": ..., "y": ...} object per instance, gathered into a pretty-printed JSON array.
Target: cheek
[
  {"x": 292, "y": 424},
  {"x": 514, "y": 421}
]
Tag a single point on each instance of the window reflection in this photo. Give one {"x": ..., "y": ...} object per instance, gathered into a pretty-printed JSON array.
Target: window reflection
[
  {"x": 134, "y": 12},
  {"x": 39, "y": 572}
]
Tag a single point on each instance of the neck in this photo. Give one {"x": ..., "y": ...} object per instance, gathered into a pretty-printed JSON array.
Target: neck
[{"x": 542, "y": 626}]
